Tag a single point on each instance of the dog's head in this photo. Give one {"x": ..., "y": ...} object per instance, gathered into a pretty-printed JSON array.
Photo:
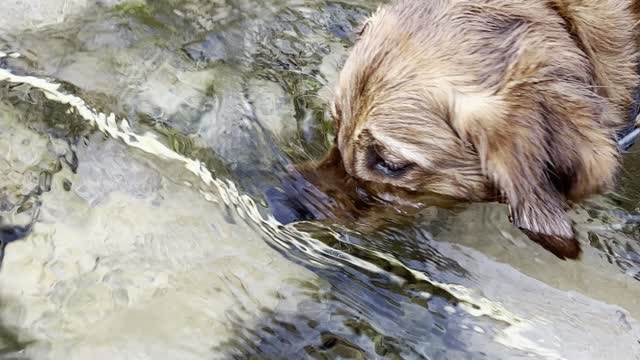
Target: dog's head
[{"x": 479, "y": 102}]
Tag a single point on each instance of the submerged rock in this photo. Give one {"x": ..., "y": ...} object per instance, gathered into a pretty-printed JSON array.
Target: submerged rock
[
  {"x": 104, "y": 167},
  {"x": 273, "y": 107}
]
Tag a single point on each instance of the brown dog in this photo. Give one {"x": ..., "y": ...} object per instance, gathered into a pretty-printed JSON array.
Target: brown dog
[{"x": 518, "y": 101}]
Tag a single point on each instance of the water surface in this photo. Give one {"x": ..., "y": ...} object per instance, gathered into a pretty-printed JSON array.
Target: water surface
[{"x": 141, "y": 136}]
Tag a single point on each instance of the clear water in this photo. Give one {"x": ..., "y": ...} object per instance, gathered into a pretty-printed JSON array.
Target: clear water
[{"x": 152, "y": 239}]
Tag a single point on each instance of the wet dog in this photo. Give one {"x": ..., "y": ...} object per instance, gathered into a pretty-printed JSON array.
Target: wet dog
[{"x": 517, "y": 101}]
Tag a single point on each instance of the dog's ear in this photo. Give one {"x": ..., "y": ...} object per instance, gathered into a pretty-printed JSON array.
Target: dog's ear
[
  {"x": 545, "y": 223},
  {"x": 535, "y": 205},
  {"x": 515, "y": 154}
]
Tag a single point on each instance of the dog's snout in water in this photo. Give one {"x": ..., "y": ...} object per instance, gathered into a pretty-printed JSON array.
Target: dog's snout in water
[
  {"x": 296, "y": 200},
  {"x": 285, "y": 208}
]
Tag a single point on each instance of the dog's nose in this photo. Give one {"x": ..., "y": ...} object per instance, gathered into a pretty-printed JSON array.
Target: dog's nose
[
  {"x": 286, "y": 208},
  {"x": 296, "y": 200}
]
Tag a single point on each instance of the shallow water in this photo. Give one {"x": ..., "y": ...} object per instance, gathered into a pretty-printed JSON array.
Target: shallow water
[{"x": 140, "y": 137}]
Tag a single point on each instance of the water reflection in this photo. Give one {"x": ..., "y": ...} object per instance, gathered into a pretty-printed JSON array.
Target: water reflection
[{"x": 154, "y": 239}]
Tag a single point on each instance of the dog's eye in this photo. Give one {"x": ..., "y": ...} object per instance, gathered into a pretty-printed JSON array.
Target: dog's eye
[
  {"x": 387, "y": 164},
  {"x": 392, "y": 169},
  {"x": 391, "y": 166}
]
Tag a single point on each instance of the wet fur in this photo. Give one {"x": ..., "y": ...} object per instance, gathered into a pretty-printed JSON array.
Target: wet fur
[{"x": 511, "y": 100}]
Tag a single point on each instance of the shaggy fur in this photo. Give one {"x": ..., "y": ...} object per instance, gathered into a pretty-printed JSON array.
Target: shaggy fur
[{"x": 480, "y": 100}]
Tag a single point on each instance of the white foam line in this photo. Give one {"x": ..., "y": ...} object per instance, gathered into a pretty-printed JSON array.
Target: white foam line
[
  {"x": 14, "y": 55},
  {"x": 149, "y": 143}
]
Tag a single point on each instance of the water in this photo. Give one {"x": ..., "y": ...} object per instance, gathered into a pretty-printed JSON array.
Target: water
[{"x": 152, "y": 239}]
